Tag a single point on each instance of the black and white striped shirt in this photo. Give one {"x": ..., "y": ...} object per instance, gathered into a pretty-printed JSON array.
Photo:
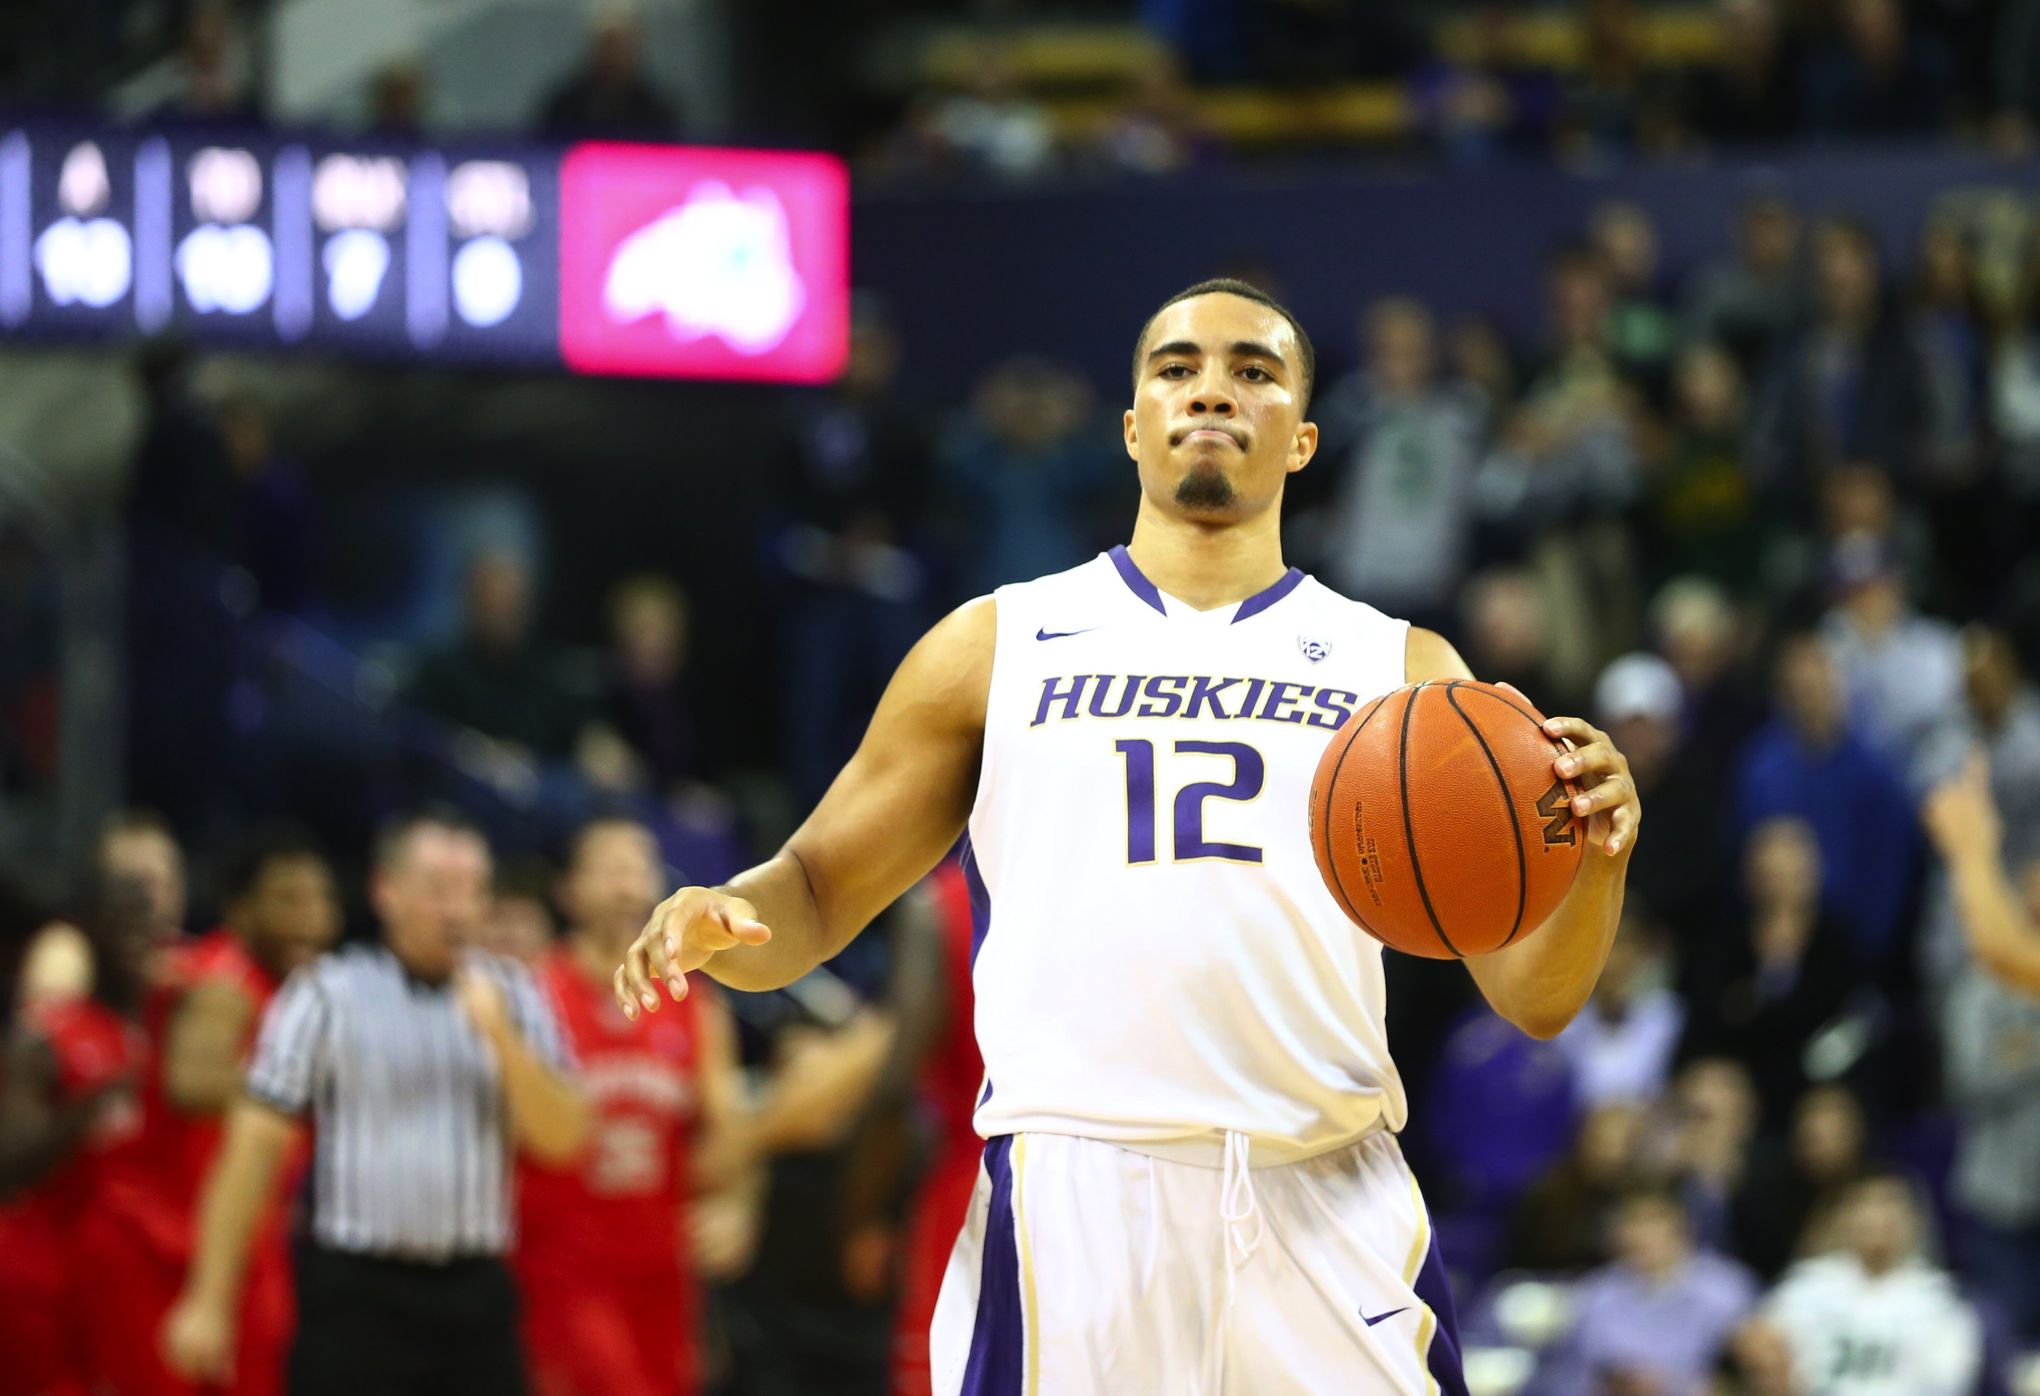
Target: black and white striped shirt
[{"x": 412, "y": 1139}]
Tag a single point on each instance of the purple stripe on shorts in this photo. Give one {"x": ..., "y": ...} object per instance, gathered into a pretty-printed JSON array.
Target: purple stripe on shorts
[
  {"x": 1443, "y": 1358},
  {"x": 1136, "y": 579},
  {"x": 1268, "y": 596},
  {"x": 997, "y": 1365}
]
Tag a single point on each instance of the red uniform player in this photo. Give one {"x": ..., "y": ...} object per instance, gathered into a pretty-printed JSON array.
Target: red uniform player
[
  {"x": 70, "y": 1125},
  {"x": 200, "y": 1019},
  {"x": 611, "y": 1304}
]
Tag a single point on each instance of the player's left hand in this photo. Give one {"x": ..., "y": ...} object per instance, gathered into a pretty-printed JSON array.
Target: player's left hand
[{"x": 1607, "y": 798}]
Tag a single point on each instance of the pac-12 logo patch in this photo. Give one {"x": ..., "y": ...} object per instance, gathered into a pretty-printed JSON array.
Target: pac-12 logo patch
[{"x": 1313, "y": 648}]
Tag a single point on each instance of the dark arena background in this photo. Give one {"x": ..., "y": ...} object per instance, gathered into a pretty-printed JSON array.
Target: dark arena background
[{"x": 544, "y": 413}]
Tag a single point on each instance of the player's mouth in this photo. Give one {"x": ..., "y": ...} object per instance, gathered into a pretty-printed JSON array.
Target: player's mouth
[{"x": 1209, "y": 433}]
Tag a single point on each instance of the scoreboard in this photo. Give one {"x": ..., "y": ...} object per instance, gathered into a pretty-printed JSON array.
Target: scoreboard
[{"x": 662, "y": 261}]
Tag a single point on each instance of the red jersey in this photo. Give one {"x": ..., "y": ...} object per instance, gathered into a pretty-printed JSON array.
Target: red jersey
[
  {"x": 93, "y": 1046},
  {"x": 159, "y": 1205},
  {"x": 622, "y": 1205}
]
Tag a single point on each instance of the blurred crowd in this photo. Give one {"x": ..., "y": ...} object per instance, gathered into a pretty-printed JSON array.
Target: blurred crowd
[{"x": 1020, "y": 92}]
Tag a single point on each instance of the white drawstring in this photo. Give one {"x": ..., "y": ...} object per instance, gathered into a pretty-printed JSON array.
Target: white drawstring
[
  {"x": 1154, "y": 1226},
  {"x": 1236, "y": 1207}
]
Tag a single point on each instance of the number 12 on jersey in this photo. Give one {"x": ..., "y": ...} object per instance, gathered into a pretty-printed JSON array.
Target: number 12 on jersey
[{"x": 1249, "y": 772}]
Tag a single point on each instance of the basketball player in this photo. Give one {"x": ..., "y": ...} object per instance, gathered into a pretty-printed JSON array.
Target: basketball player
[
  {"x": 282, "y": 911},
  {"x": 1192, "y": 1184},
  {"x": 611, "y": 1304},
  {"x": 70, "y": 1131}
]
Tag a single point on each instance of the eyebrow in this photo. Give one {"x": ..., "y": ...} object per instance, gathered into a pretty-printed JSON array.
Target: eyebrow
[{"x": 1239, "y": 348}]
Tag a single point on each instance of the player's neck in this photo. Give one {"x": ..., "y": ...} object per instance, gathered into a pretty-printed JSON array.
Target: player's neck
[
  {"x": 1208, "y": 567},
  {"x": 595, "y": 954}
]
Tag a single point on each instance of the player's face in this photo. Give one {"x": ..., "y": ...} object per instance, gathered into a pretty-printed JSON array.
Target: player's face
[
  {"x": 615, "y": 881},
  {"x": 292, "y": 914},
  {"x": 433, "y": 898},
  {"x": 1217, "y": 423}
]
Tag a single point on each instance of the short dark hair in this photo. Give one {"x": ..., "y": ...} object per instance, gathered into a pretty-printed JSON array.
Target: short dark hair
[
  {"x": 577, "y": 843},
  {"x": 250, "y": 859},
  {"x": 1231, "y": 286},
  {"x": 392, "y": 838}
]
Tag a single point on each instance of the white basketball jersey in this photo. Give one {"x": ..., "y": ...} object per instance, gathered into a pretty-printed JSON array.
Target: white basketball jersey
[{"x": 1158, "y": 962}]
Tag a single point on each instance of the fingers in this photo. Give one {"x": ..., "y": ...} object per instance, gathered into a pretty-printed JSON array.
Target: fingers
[
  {"x": 1611, "y": 793},
  {"x": 1578, "y": 729},
  {"x": 637, "y": 977},
  {"x": 1625, "y": 819},
  {"x": 689, "y": 928},
  {"x": 1589, "y": 762}
]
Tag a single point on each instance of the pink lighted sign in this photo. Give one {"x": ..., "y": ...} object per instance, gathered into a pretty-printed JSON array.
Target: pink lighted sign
[{"x": 699, "y": 263}]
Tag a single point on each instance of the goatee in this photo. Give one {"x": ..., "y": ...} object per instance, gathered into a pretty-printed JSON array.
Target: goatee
[{"x": 1206, "y": 489}]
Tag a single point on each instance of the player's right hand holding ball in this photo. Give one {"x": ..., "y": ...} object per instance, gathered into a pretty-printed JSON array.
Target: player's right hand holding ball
[{"x": 686, "y": 930}]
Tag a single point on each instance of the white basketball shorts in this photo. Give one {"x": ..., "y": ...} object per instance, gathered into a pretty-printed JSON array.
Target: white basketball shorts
[{"x": 1089, "y": 1269}]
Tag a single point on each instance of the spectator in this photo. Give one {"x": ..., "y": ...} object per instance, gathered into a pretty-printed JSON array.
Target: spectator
[
  {"x": 1810, "y": 761},
  {"x": 1850, "y": 386},
  {"x": 1785, "y": 1207},
  {"x": 138, "y": 846},
  {"x": 1158, "y": 128},
  {"x": 1642, "y": 331},
  {"x": 398, "y": 95},
  {"x": 611, "y": 96},
  {"x": 1874, "y": 78},
  {"x": 1762, "y": 998},
  {"x": 275, "y": 523},
  {"x": 214, "y": 70},
  {"x": 856, "y": 474},
  {"x": 1482, "y": 364},
  {"x": 1491, "y": 105},
  {"x": 1747, "y": 302},
  {"x": 1621, "y": 1044},
  {"x": 1638, "y": 700},
  {"x": 1703, "y": 515},
  {"x": 2014, "y": 396},
  {"x": 1658, "y": 1316},
  {"x": 1704, "y": 1144},
  {"x": 1025, "y": 463},
  {"x": 1873, "y": 1317},
  {"x": 1562, "y": 1220},
  {"x": 1613, "y": 103},
  {"x": 1902, "y": 671},
  {"x": 1507, "y": 636},
  {"x": 1400, "y": 534},
  {"x": 1947, "y": 320},
  {"x": 498, "y": 679},
  {"x": 995, "y": 129},
  {"x": 651, "y": 701},
  {"x": 520, "y": 923},
  {"x": 1744, "y": 97},
  {"x": 1697, "y": 631},
  {"x": 1569, "y": 449},
  {"x": 1998, "y": 909}
]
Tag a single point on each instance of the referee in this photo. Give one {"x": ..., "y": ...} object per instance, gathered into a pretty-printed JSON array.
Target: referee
[{"x": 420, "y": 1062}]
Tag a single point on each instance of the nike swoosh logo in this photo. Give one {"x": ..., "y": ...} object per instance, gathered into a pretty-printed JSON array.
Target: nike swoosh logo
[
  {"x": 1383, "y": 1318},
  {"x": 1062, "y": 634}
]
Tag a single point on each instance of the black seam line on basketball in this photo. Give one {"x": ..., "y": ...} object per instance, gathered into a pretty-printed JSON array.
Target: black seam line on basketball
[
  {"x": 1508, "y": 807},
  {"x": 1339, "y": 883},
  {"x": 1557, "y": 745},
  {"x": 1410, "y": 828}
]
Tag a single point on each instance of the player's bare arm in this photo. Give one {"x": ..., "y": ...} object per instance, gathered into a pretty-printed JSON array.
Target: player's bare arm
[
  {"x": 37, "y": 1132},
  {"x": 202, "y": 1049},
  {"x": 197, "y": 1338},
  {"x": 891, "y": 814},
  {"x": 1542, "y": 981},
  {"x": 1963, "y": 821}
]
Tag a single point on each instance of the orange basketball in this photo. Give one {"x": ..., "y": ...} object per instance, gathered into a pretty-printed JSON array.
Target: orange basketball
[{"x": 1438, "y": 822}]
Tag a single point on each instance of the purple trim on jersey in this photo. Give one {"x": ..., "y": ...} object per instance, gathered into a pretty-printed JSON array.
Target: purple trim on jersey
[
  {"x": 997, "y": 1365},
  {"x": 1268, "y": 596},
  {"x": 980, "y": 899},
  {"x": 1443, "y": 1357},
  {"x": 1130, "y": 573}
]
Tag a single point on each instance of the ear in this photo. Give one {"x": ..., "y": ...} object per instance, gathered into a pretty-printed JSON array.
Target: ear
[
  {"x": 1303, "y": 446},
  {"x": 1132, "y": 436}
]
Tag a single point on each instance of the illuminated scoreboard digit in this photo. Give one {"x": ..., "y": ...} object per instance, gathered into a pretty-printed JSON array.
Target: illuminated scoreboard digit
[
  {"x": 500, "y": 230},
  {"x": 230, "y": 243},
  {"x": 67, "y": 246}
]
